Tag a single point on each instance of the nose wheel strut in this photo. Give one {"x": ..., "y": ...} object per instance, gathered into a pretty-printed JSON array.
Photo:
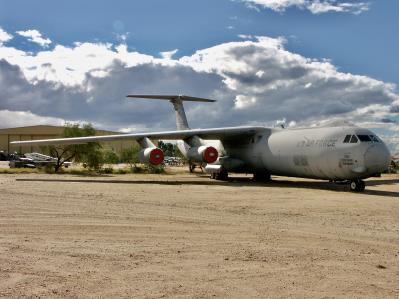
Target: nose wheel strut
[{"x": 357, "y": 185}]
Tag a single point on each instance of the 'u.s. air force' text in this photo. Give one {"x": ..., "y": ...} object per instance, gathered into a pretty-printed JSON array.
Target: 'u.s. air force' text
[{"x": 317, "y": 143}]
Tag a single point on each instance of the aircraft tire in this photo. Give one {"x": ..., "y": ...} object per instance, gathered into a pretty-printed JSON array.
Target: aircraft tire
[
  {"x": 261, "y": 177},
  {"x": 357, "y": 185},
  {"x": 222, "y": 176}
]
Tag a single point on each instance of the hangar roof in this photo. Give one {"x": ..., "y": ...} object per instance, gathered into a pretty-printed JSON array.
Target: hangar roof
[{"x": 42, "y": 130}]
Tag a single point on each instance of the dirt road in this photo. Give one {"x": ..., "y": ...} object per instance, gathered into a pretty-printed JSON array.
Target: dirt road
[{"x": 183, "y": 236}]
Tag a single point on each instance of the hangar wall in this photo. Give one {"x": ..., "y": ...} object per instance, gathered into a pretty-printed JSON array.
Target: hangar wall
[{"x": 48, "y": 132}]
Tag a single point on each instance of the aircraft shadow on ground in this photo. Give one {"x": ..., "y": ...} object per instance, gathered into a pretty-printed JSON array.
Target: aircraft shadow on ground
[
  {"x": 238, "y": 182},
  {"x": 332, "y": 187},
  {"x": 373, "y": 182}
]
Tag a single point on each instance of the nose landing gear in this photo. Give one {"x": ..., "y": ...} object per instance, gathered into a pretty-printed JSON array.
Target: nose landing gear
[{"x": 357, "y": 185}]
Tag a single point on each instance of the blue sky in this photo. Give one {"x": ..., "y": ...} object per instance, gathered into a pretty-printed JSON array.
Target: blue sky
[
  {"x": 265, "y": 61},
  {"x": 363, "y": 44}
]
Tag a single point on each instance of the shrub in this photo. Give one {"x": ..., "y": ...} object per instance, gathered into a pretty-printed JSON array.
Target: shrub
[
  {"x": 155, "y": 169},
  {"x": 110, "y": 157},
  {"x": 107, "y": 170},
  {"x": 121, "y": 171}
]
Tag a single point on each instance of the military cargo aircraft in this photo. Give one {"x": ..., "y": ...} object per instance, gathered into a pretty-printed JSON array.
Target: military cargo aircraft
[{"x": 335, "y": 153}]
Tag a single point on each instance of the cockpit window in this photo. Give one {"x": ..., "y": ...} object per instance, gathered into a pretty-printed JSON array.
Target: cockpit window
[
  {"x": 354, "y": 139},
  {"x": 374, "y": 139},
  {"x": 347, "y": 138},
  {"x": 364, "y": 138}
]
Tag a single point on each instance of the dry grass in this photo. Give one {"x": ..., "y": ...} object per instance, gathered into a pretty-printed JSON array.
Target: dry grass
[
  {"x": 19, "y": 170},
  {"x": 108, "y": 169}
]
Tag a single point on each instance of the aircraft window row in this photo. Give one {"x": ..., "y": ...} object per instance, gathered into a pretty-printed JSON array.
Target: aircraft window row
[
  {"x": 362, "y": 138},
  {"x": 353, "y": 139},
  {"x": 374, "y": 139},
  {"x": 347, "y": 138}
]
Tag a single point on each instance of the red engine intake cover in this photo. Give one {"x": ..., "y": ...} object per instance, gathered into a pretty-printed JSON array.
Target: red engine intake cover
[
  {"x": 210, "y": 154},
  {"x": 156, "y": 156}
]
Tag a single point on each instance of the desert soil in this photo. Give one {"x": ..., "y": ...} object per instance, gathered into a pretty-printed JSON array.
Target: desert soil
[{"x": 186, "y": 236}]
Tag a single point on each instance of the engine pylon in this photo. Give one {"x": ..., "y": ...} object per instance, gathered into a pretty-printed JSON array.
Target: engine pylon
[{"x": 150, "y": 154}]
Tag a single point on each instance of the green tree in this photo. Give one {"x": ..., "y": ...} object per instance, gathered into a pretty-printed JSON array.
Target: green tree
[
  {"x": 94, "y": 159},
  {"x": 171, "y": 150},
  {"x": 131, "y": 155},
  {"x": 89, "y": 153},
  {"x": 110, "y": 157},
  {"x": 168, "y": 148}
]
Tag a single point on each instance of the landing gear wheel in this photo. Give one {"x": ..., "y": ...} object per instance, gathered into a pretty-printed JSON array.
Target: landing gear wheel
[
  {"x": 261, "y": 177},
  {"x": 357, "y": 186},
  {"x": 222, "y": 176}
]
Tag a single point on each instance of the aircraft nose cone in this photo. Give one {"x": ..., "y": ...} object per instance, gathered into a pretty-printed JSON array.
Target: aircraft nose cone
[{"x": 377, "y": 158}]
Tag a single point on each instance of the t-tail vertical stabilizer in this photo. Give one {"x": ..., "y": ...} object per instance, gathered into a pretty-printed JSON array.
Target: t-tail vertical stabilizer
[{"x": 177, "y": 101}]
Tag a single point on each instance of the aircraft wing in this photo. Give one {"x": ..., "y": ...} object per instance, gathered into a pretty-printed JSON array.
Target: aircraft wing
[{"x": 227, "y": 134}]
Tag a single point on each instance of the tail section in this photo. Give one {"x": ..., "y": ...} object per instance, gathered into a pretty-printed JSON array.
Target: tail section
[{"x": 177, "y": 101}]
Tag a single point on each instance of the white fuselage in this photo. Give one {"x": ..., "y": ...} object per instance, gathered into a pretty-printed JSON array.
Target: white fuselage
[{"x": 319, "y": 153}]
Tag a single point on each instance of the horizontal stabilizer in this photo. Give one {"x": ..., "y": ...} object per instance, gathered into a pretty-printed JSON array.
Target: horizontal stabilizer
[{"x": 169, "y": 97}]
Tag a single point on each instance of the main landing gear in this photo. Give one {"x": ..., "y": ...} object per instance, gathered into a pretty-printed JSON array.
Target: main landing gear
[
  {"x": 192, "y": 167},
  {"x": 357, "y": 185},
  {"x": 261, "y": 177},
  {"x": 221, "y": 176}
]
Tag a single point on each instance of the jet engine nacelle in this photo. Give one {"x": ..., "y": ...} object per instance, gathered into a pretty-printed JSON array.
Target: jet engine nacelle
[
  {"x": 203, "y": 153},
  {"x": 151, "y": 155}
]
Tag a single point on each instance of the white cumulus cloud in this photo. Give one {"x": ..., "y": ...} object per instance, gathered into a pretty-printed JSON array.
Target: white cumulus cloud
[
  {"x": 255, "y": 81},
  {"x": 10, "y": 119},
  {"x": 314, "y": 6},
  {"x": 168, "y": 54},
  {"x": 70, "y": 65},
  {"x": 35, "y": 37},
  {"x": 4, "y": 36}
]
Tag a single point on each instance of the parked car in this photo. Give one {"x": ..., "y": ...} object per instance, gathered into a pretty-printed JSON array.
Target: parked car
[
  {"x": 3, "y": 156},
  {"x": 32, "y": 160},
  {"x": 43, "y": 160},
  {"x": 17, "y": 161}
]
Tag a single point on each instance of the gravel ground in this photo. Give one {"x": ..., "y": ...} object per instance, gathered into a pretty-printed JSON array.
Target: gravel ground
[{"x": 185, "y": 236}]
